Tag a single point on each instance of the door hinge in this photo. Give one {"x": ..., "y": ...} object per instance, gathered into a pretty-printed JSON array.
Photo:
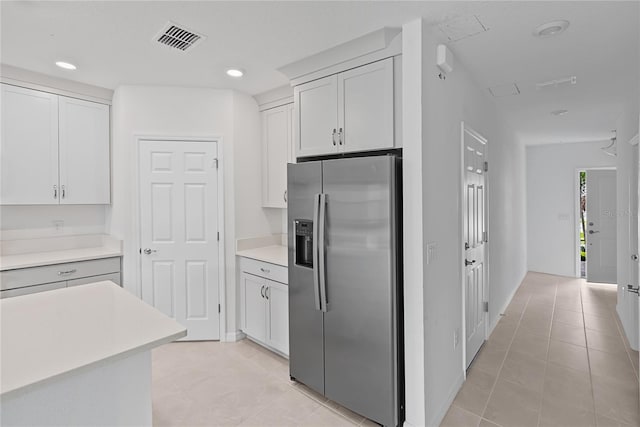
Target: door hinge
[
  {"x": 485, "y": 237},
  {"x": 218, "y": 308},
  {"x": 218, "y": 236},
  {"x": 485, "y": 306},
  {"x": 486, "y": 166},
  {"x": 140, "y": 251},
  {"x": 215, "y": 161}
]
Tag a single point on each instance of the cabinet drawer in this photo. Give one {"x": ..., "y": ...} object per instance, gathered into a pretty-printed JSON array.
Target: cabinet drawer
[
  {"x": 273, "y": 272},
  {"x": 32, "y": 289},
  {"x": 19, "y": 278},
  {"x": 114, "y": 277}
]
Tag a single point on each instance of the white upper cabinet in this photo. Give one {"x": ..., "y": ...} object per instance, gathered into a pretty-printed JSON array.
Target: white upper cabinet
[
  {"x": 29, "y": 149},
  {"x": 276, "y": 145},
  {"x": 317, "y": 117},
  {"x": 346, "y": 112},
  {"x": 55, "y": 150},
  {"x": 84, "y": 152},
  {"x": 365, "y": 107}
]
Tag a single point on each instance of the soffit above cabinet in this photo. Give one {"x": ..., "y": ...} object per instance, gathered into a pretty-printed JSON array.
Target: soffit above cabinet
[{"x": 371, "y": 47}]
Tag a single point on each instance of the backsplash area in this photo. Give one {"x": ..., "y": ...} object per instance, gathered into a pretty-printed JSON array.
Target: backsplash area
[{"x": 30, "y": 222}]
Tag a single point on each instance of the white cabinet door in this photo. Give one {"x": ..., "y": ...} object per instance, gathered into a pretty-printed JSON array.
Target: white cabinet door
[
  {"x": 317, "y": 117},
  {"x": 365, "y": 108},
  {"x": 29, "y": 165},
  {"x": 84, "y": 152},
  {"x": 291, "y": 145},
  {"x": 278, "y": 316},
  {"x": 254, "y": 307},
  {"x": 275, "y": 144}
]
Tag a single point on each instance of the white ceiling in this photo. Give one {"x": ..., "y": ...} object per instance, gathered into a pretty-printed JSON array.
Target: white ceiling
[{"x": 111, "y": 44}]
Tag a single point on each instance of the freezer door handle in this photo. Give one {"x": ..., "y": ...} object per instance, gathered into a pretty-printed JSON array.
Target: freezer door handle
[
  {"x": 316, "y": 278},
  {"x": 322, "y": 253}
]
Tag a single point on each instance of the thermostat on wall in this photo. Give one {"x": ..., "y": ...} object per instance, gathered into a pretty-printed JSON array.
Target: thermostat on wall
[{"x": 444, "y": 58}]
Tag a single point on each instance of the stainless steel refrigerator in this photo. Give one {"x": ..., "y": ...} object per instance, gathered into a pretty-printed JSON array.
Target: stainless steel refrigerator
[{"x": 345, "y": 283}]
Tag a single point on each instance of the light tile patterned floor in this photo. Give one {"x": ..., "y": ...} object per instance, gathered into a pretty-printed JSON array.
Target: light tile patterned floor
[
  {"x": 232, "y": 384},
  {"x": 557, "y": 358}
]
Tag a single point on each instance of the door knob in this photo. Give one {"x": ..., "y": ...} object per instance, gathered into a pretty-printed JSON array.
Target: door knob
[
  {"x": 634, "y": 257},
  {"x": 149, "y": 251},
  {"x": 467, "y": 262},
  {"x": 593, "y": 231}
]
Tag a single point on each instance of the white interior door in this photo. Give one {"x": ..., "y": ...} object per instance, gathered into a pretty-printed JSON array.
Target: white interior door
[
  {"x": 29, "y": 145},
  {"x": 84, "y": 152},
  {"x": 474, "y": 222},
  {"x": 601, "y": 226},
  {"x": 179, "y": 229}
]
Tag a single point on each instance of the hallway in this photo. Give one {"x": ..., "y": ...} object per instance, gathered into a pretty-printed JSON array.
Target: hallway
[{"x": 557, "y": 358}]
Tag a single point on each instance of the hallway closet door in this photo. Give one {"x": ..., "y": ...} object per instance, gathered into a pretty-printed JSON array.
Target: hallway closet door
[{"x": 601, "y": 226}]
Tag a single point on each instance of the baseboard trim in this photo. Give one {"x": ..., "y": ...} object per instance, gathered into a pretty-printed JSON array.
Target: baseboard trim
[
  {"x": 495, "y": 321},
  {"x": 442, "y": 412},
  {"x": 234, "y": 336}
]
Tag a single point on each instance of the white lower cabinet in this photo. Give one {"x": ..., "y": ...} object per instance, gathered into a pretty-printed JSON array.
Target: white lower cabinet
[
  {"x": 24, "y": 281},
  {"x": 265, "y": 305}
]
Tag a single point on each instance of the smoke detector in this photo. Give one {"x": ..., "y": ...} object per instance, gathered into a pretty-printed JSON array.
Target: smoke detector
[
  {"x": 178, "y": 37},
  {"x": 552, "y": 28}
]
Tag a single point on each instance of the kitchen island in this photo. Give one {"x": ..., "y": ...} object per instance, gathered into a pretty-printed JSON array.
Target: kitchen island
[{"x": 79, "y": 356}]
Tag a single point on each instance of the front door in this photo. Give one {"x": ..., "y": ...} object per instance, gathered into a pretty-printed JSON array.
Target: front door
[
  {"x": 475, "y": 195},
  {"x": 601, "y": 226},
  {"x": 179, "y": 226}
]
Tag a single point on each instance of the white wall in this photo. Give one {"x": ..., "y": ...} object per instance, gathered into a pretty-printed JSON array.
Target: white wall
[
  {"x": 176, "y": 111},
  {"x": 552, "y": 202},
  {"x": 627, "y": 200},
  {"x": 443, "y": 105},
  {"x": 28, "y": 222}
]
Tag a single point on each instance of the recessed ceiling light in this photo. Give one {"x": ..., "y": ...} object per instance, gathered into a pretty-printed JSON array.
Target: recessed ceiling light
[
  {"x": 235, "y": 72},
  {"x": 552, "y": 28},
  {"x": 559, "y": 112},
  {"x": 66, "y": 65}
]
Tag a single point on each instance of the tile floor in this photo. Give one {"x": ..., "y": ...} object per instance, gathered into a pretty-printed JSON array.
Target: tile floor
[
  {"x": 233, "y": 384},
  {"x": 557, "y": 358}
]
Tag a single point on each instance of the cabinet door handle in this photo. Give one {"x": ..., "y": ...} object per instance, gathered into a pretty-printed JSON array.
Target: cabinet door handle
[
  {"x": 55, "y": 191},
  {"x": 340, "y": 133},
  {"x": 62, "y": 273},
  {"x": 333, "y": 137},
  {"x": 262, "y": 291},
  {"x": 64, "y": 192},
  {"x": 285, "y": 196},
  {"x": 267, "y": 292}
]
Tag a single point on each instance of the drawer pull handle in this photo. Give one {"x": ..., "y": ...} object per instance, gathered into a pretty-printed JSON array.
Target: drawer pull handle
[
  {"x": 265, "y": 270},
  {"x": 62, "y": 273}
]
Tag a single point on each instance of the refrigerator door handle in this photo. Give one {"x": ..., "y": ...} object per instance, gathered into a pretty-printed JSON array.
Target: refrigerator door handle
[
  {"x": 316, "y": 278},
  {"x": 322, "y": 253}
]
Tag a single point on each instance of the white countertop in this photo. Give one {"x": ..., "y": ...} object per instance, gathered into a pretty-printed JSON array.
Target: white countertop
[
  {"x": 49, "y": 334},
  {"x": 274, "y": 254},
  {"x": 35, "y": 259}
]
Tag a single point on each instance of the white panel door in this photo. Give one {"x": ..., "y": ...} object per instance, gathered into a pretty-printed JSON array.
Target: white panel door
[
  {"x": 474, "y": 243},
  {"x": 601, "y": 226},
  {"x": 254, "y": 305},
  {"x": 317, "y": 121},
  {"x": 29, "y": 148},
  {"x": 84, "y": 152},
  {"x": 365, "y": 107},
  {"x": 275, "y": 145},
  {"x": 277, "y": 296},
  {"x": 179, "y": 226}
]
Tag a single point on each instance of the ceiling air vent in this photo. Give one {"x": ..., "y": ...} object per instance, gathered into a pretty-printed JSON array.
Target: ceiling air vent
[{"x": 178, "y": 37}]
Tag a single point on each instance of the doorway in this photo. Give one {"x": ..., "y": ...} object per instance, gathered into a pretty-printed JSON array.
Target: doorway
[
  {"x": 474, "y": 233},
  {"x": 179, "y": 211},
  {"x": 596, "y": 226}
]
